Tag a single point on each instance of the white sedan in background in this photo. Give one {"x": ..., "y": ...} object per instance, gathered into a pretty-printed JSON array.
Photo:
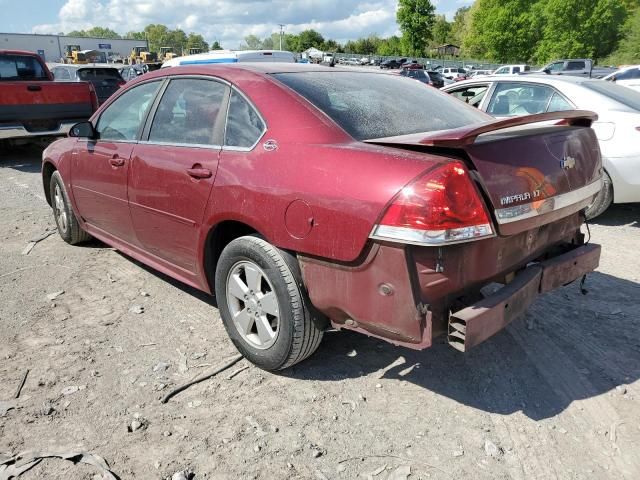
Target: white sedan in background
[
  {"x": 617, "y": 128},
  {"x": 626, "y": 76}
]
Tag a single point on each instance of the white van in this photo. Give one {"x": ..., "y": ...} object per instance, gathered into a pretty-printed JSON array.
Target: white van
[
  {"x": 512, "y": 69},
  {"x": 232, "y": 56}
]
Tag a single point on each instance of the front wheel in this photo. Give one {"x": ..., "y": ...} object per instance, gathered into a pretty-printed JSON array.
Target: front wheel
[
  {"x": 68, "y": 226},
  {"x": 263, "y": 304}
]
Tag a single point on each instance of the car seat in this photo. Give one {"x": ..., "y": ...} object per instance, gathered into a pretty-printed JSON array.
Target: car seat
[{"x": 502, "y": 106}]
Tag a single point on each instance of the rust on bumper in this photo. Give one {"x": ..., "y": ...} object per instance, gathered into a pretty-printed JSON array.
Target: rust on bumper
[{"x": 475, "y": 324}]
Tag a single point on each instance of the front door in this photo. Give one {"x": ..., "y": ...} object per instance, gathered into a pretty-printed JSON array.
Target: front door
[
  {"x": 172, "y": 172},
  {"x": 100, "y": 167}
]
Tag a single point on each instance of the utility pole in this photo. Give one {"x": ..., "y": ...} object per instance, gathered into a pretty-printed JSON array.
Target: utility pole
[{"x": 281, "y": 34}]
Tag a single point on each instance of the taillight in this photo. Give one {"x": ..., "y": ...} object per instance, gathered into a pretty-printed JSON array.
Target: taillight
[
  {"x": 121, "y": 83},
  {"x": 441, "y": 207}
]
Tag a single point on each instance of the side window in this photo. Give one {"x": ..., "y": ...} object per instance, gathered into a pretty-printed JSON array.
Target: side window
[
  {"x": 244, "y": 125},
  {"x": 513, "y": 99},
  {"x": 502, "y": 71},
  {"x": 575, "y": 66},
  {"x": 556, "y": 67},
  {"x": 558, "y": 104},
  {"x": 516, "y": 69},
  {"x": 122, "y": 119},
  {"x": 188, "y": 112}
]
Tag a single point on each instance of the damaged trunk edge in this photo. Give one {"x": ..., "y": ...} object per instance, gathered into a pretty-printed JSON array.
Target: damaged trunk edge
[{"x": 408, "y": 295}]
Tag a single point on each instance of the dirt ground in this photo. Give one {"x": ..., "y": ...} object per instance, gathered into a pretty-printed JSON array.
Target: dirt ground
[{"x": 555, "y": 395}]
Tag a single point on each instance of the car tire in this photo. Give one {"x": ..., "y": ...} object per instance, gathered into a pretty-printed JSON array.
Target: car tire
[
  {"x": 603, "y": 200},
  {"x": 273, "y": 324},
  {"x": 66, "y": 221}
]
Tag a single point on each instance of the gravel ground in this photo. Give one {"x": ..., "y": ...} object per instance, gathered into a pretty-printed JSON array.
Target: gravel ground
[{"x": 555, "y": 395}]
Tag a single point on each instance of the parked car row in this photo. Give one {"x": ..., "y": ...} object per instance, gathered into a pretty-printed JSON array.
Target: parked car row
[{"x": 105, "y": 78}]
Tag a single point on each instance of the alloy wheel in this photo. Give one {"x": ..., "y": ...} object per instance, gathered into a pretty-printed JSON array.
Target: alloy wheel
[{"x": 253, "y": 304}]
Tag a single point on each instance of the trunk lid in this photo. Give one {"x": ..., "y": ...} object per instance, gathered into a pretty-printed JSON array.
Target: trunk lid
[{"x": 530, "y": 173}]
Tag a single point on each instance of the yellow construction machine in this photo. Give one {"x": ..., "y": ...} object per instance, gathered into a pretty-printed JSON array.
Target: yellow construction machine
[
  {"x": 72, "y": 54},
  {"x": 142, "y": 55},
  {"x": 167, "y": 53}
]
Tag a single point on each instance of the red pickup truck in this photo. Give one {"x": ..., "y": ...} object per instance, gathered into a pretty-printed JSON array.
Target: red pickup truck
[{"x": 32, "y": 104}]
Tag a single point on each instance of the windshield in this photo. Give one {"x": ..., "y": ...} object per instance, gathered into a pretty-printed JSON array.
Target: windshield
[
  {"x": 21, "y": 67},
  {"x": 367, "y": 105},
  {"x": 626, "y": 96},
  {"x": 89, "y": 74}
]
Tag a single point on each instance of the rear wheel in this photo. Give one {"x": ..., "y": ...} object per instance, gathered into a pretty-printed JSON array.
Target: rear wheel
[
  {"x": 603, "y": 200},
  {"x": 263, "y": 305},
  {"x": 66, "y": 221}
]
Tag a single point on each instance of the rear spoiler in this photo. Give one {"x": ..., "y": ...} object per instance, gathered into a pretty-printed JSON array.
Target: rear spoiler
[{"x": 459, "y": 137}]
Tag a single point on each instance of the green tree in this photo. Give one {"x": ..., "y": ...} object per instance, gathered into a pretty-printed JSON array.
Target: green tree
[
  {"x": 251, "y": 42},
  {"x": 97, "y": 32},
  {"x": 460, "y": 25},
  {"x": 416, "y": 19},
  {"x": 195, "y": 40},
  {"x": 216, "y": 45},
  {"x": 308, "y": 39},
  {"x": 135, "y": 35},
  {"x": 330, "y": 46},
  {"x": 629, "y": 49},
  {"x": 157, "y": 36},
  {"x": 580, "y": 28},
  {"x": 390, "y": 46},
  {"x": 175, "y": 39},
  {"x": 503, "y": 30},
  {"x": 441, "y": 30}
]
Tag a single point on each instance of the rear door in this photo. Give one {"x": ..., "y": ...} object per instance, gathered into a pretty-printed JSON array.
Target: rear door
[
  {"x": 173, "y": 170},
  {"x": 100, "y": 167}
]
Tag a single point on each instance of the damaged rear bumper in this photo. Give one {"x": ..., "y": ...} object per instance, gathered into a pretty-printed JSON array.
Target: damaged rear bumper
[{"x": 475, "y": 324}]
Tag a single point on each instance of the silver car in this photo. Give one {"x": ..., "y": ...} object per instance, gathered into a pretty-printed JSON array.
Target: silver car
[{"x": 617, "y": 128}]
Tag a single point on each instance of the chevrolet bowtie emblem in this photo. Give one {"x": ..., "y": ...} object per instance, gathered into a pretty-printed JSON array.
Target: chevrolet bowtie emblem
[{"x": 568, "y": 162}]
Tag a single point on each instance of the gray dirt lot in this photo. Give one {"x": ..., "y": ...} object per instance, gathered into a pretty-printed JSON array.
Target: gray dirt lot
[{"x": 556, "y": 395}]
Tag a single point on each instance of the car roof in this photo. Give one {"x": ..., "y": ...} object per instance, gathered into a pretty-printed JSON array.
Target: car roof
[
  {"x": 256, "y": 67},
  {"x": 530, "y": 78}
]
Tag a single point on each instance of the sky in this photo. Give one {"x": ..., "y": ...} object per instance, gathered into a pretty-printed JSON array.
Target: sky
[{"x": 227, "y": 21}]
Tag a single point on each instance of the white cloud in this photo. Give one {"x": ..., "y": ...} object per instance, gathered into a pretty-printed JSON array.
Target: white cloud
[{"x": 229, "y": 21}]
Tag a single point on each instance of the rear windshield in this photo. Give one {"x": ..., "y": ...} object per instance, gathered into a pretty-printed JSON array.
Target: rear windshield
[
  {"x": 620, "y": 94},
  {"x": 88, "y": 74},
  {"x": 21, "y": 67},
  {"x": 370, "y": 105}
]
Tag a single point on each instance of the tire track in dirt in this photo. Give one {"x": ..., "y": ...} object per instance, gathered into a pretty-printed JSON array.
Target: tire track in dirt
[{"x": 564, "y": 378}]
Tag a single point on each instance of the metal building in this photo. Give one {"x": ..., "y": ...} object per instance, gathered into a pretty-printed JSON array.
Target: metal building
[{"x": 52, "y": 47}]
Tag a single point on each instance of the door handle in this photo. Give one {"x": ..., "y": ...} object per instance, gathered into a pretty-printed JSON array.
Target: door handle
[
  {"x": 199, "y": 172},
  {"x": 116, "y": 161},
  {"x": 34, "y": 88}
]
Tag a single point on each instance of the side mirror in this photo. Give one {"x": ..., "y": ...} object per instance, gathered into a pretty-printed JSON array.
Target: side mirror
[
  {"x": 83, "y": 130},
  {"x": 547, "y": 71},
  {"x": 613, "y": 79}
]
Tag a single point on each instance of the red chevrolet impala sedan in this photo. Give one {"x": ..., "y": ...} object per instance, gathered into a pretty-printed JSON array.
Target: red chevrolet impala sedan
[{"x": 306, "y": 198}]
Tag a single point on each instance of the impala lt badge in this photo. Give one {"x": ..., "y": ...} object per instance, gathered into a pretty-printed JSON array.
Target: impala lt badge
[{"x": 568, "y": 162}]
